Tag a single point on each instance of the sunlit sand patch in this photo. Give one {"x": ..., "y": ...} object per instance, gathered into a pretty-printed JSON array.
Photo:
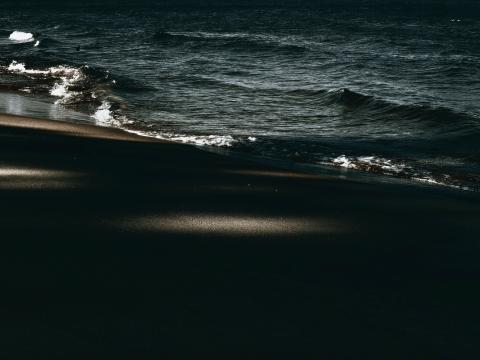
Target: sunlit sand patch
[
  {"x": 232, "y": 224},
  {"x": 12, "y": 177},
  {"x": 12, "y": 171}
]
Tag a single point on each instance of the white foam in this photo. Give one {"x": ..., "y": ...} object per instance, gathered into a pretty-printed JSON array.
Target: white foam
[
  {"x": 345, "y": 162},
  {"x": 428, "y": 180},
  {"x": 59, "y": 90},
  {"x": 21, "y": 36},
  {"x": 369, "y": 162},
  {"x": 66, "y": 77},
  {"x": 199, "y": 140},
  {"x": 56, "y": 71},
  {"x": 37, "y": 43},
  {"x": 16, "y": 67},
  {"x": 431, "y": 181},
  {"x": 73, "y": 73},
  {"x": 103, "y": 116},
  {"x": 388, "y": 167},
  {"x": 384, "y": 164}
]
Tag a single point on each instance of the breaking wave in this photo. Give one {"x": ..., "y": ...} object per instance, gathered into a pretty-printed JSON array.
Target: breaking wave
[
  {"x": 64, "y": 79},
  {"x": 81, "y": 88}
]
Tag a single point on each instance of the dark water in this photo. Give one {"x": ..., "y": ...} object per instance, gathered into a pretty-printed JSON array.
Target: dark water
[{"x": 376, "y": 88}]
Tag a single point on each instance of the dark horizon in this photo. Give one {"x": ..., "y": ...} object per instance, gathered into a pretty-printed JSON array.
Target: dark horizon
[{"x": 432, "y": 4}]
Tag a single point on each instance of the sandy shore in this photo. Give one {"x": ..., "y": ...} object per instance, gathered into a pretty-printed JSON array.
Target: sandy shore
[{"x": 113, "y": 242}]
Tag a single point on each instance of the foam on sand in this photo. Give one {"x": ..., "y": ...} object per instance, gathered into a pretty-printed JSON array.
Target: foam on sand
[
  {"x": 199, "y": 140},
  {"x": 394, "y": 168}
]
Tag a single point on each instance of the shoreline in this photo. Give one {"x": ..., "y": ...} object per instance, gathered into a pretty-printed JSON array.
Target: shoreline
[
  {"x": 114, "y": 242},
  {"x": 97, "y": 131},
  {"x": 28, "y": 107}
]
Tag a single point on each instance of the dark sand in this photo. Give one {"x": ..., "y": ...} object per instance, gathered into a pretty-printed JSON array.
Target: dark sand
[{"x": 117, "y": 243}]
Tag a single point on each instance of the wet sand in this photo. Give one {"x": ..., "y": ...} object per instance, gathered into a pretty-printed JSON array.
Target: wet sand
[{"x": 115, "y": 243}]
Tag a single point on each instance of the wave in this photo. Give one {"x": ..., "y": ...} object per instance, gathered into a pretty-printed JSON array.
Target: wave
[
  {"x": 437, "y": 119},
  {"x": 361, "y": 107},
  {"x": 91, "y": 87},
  {"x": 82, "y": 87},
  {"x": 234, "y": 41}
]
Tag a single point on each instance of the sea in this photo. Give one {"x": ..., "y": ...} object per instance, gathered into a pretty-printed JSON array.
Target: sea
[{"x": 390, "y": 88}]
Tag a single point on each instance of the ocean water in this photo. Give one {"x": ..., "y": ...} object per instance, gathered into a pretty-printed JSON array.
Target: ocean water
[{"x": 385, "y": 87}]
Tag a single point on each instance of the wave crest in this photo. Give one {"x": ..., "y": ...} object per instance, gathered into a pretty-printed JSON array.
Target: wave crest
[{"x": 64, "y": 78}]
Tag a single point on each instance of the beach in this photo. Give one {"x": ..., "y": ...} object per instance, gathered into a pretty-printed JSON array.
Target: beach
[{"x": 118, "y": 243}]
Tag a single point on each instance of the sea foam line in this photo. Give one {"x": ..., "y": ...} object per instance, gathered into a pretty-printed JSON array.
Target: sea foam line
[
  {"x": 199, "y": 140},
  {"x": 390, "y": 168}
]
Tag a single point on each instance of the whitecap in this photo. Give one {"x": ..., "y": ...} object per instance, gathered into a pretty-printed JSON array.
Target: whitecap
[{"x": 20, "y": 36}]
